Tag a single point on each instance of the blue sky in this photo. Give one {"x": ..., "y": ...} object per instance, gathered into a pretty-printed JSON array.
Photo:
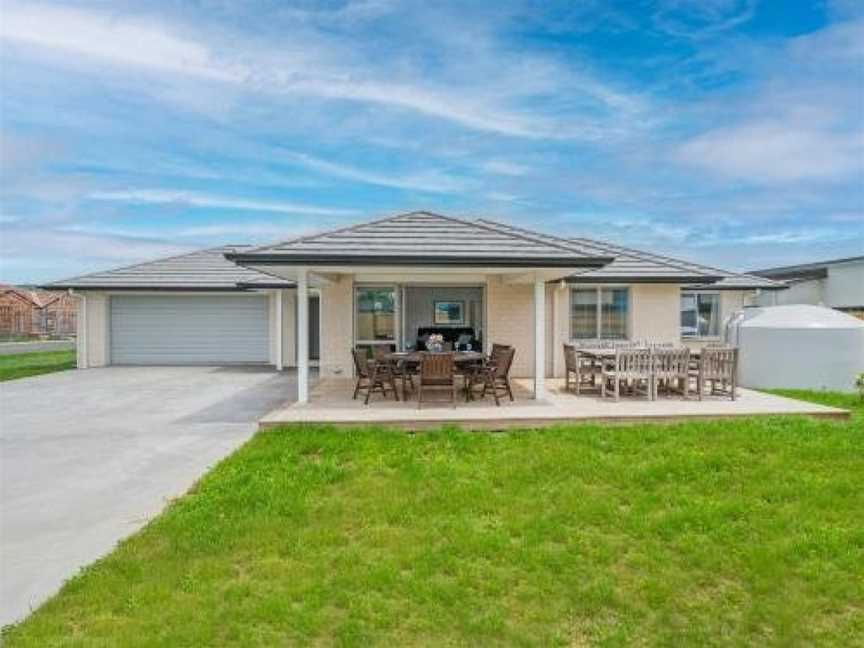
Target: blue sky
[{"x": 725, "y": 131}]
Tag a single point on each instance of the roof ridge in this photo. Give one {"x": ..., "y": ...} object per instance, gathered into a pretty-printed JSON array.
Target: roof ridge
[
  {"x": 653, "y": 255},
  {"x": 338, "y": 230},
  {"x": 139, "y": 264},
  {"x": 528, "y": 235}
]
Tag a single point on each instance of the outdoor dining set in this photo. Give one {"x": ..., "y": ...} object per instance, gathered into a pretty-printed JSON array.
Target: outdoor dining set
[
  {"x": 646, "y": 368},
  {"x": 472, "y": 373},
  {"x": 610, "y": 368}
]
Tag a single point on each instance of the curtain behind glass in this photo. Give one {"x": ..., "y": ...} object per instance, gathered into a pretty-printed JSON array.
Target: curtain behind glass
[
  {"x": 613, "y": 313},
  {"x": 709, "y": 315},
  {"x": 583, "y": 314}
]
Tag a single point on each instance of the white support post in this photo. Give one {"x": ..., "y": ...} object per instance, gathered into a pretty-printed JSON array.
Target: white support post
[
  {"x": 303, "y": 336},
  {"x": 279, "y": 333},
  {"x": 81, "y": 332},
  {"x": 539, "y": 339}
]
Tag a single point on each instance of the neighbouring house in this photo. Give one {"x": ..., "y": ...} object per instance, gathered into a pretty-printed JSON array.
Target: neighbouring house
[
  {"x": 838, "y": 283},
  {"x": 390, "y": 282},
  {"x": 29, "y": 312}
]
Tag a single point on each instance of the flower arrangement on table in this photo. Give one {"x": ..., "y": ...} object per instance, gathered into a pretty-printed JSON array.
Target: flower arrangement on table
[{"x": 435, "y": 342}]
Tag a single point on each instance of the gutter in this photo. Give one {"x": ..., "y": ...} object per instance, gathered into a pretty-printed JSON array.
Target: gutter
[
  {"x": 404, "y": 260},
  {"x": 589, "y": 279}
]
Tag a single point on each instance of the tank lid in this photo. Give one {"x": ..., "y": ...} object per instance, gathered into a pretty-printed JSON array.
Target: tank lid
[{"x": 800, "y": 316}]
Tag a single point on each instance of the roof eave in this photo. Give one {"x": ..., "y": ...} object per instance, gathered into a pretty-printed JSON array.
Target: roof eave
[
  {"x": 413, "y": 260},
  {"x": 154, "y": 288},
  {"x": 587, "y": 278}
]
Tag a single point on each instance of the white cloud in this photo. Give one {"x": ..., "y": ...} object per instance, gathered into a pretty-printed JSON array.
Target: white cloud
[
  {"x": 313, "y": 66},
  {"x": 505, "y": 167},
  {"x": 430, "y": 181},
  {"x": 193, "y": 199},
  {"x": 774, "y": 152},
  {"x": 107, "y": 36},
  {"x": 701, "y": 18}
]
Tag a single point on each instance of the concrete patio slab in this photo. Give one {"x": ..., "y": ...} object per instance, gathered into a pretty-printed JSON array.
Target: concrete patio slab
[{"x": 331, "y": 403}]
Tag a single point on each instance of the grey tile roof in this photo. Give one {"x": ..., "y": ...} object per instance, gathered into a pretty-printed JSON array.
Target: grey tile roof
[
  {"x": 422, "y": 238},
  {"x": 200, "y": 270},
  {"x": 635, "y": 266}
]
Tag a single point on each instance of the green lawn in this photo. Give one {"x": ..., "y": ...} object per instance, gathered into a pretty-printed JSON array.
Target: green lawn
[
  {"x": 32, "y": 364},
  {"x": 748, "y": 532}
]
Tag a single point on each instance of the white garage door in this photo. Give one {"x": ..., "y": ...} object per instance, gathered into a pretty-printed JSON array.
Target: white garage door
[{"x": 178, "y": 330}]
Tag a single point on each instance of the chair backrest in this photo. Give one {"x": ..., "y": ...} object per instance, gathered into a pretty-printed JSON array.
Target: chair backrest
[
  {"x": 380, "y": 351},
  {"x": 719, "y": 362},
  {"x": 436, "y": 366},
  {"x": 633, "y": 363},
  {"x": 361, "y": 365},
  {"x": 502, "y": 358},
  {"x": 671, "y": 362},
  {"x": 570, "y": 357}
]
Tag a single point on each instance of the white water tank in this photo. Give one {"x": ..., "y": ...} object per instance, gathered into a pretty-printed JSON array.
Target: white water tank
[{"x": 797, "y": 347}]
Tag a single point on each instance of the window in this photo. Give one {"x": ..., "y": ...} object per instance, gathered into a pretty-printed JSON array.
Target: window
[
  {"x": 599, "y": 313},
  {"x": 376, "y": 314},
  {"x": 700, "y": 314}
]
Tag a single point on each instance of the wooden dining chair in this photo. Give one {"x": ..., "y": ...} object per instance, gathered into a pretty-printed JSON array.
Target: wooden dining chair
[
  {"x": 584, "y": 369},
  {"x": 495, "y": 374},
  {"x": 437, "y": 371},
  {"x": 371, "y": 376},
  {"x": 718, "y": 369},
  {"x": 671, "y": 370},
  {"x": 632, "y": 369}
]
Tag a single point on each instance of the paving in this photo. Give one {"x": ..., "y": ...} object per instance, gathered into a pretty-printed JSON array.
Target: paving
[
  {"x": 88, "y": 457},
  {"x": 331, "y": 403}
]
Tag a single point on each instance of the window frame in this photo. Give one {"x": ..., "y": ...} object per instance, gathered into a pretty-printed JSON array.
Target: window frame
[
  {"x": 598, "y": 289},
  {"x": 696, "y": 294}
]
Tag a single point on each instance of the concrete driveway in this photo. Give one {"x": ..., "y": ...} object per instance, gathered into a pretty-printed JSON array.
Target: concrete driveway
[{"x": 87, "y": 457}]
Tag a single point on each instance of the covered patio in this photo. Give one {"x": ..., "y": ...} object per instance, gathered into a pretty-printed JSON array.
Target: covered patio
[{"x": 330, "y": 403}]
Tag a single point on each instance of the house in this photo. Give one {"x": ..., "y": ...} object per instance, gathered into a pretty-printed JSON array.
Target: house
[
  {"x": 838, "y": 283},
  {"x": 380, "y": 282},
  {"x": 28, "y": 312}
]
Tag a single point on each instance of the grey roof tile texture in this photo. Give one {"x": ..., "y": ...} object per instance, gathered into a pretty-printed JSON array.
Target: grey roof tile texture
[
  {"x": 200, "y": 270},
  {"x": 417, "y": 235},
  {"x": 422, "y": 237},
  {"x": 632, "y": 265}
]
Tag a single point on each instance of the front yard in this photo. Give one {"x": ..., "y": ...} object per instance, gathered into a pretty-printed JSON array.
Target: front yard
[
  {"x": 33, "y": 364},
  {"x": 737, "y": 532}
]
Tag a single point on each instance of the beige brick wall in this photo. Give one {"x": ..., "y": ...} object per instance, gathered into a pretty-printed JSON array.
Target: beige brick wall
[
  {"x": 655, "y": 312},
  {"x": 510, "y": 320},
  {"x": 337, "y": 327}
]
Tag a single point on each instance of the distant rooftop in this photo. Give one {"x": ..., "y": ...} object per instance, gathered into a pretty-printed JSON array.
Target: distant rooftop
[{"x": 804, "y": 271}]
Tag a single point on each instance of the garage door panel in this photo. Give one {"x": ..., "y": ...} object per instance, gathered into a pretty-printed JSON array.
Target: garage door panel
[{"x": 189, "y": 330}]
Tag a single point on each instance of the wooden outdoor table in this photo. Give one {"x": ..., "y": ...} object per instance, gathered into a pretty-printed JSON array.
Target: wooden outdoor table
[
  {"x": 604, "y": 353},
  {"x": 412, "y": 359}
]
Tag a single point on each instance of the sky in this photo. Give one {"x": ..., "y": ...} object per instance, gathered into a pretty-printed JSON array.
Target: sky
[{"x": 729, "y": 132}]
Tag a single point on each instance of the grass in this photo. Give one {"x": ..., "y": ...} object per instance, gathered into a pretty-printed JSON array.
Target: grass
[
  {"x": 745, "y": 532},
  {"x": 22, "y": 365}
]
